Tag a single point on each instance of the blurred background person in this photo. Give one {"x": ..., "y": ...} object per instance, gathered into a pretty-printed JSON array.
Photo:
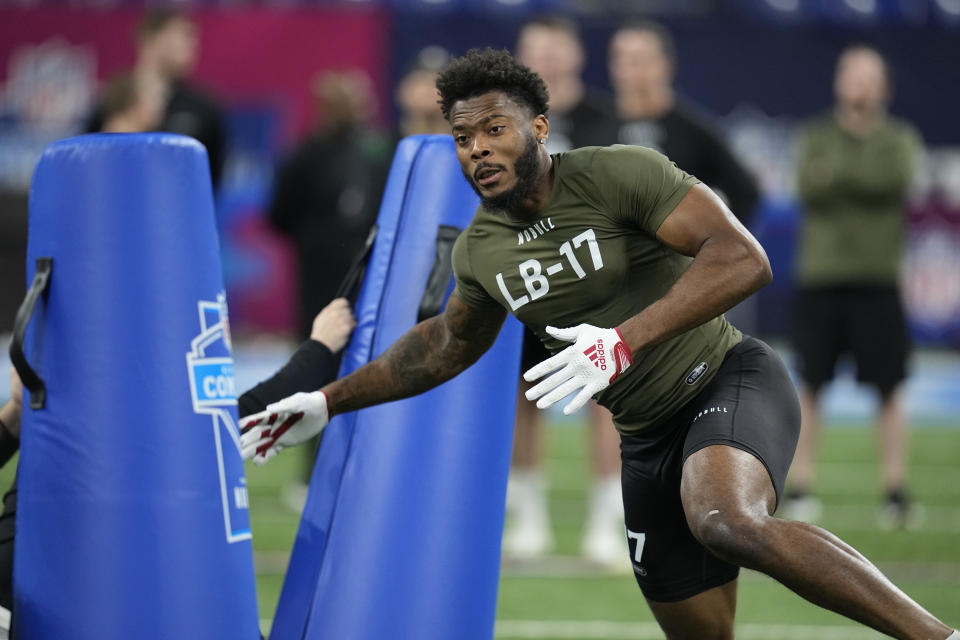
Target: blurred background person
[
  {"x": 327, "y": 196},
  {"x": 167, "y": 43},
  {"x": 642, "y": 66},
  {"x": 579, "y": 115},
  {"x": 328, "y": 189},
  {"x": 551, "y": 46},
  {"x": 416, "y": 96},
  {"x": 129, "y": 106},
  {"x": 10, "y": 414},
  {"x": 854, "y": 171}
]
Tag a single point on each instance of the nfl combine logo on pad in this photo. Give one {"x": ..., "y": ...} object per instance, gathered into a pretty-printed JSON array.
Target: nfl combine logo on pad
[{"x": 213, "y": 390}]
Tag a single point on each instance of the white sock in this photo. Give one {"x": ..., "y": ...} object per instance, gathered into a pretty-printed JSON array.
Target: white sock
[
  {"x": 954, "y": 636},
  {"x": 527, "y": 496},
  {"x": 606, "y": 501}
]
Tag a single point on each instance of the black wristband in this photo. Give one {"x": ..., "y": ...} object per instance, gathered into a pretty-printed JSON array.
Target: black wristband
[{"x": 309, "y": 368}]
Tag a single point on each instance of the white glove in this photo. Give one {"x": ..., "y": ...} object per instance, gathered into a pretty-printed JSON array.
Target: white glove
[
  {"x": 286, "y": 423},
  {"x": 594, "y": 360}
]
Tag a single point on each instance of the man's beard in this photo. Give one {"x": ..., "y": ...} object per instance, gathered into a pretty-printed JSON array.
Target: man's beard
[{"x": 525, "y": 169}]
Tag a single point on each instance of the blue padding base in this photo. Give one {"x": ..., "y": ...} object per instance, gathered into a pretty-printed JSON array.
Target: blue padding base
[
  {"x": 400, "y": 537},
  {"x": 132, "y": 517}
]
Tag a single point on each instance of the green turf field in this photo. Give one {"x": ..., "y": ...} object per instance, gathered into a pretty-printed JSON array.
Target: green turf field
[{"x": 563, "y": 598}]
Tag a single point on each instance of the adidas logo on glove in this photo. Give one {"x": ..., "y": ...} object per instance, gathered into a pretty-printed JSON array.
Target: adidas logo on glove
[
  {"x": 595, "y": 353},
  {"x": 581, "y": 368}
]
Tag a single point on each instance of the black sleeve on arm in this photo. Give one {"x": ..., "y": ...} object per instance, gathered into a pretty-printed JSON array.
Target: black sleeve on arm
[
  {"x": 309, "y": 368},
  {"x": 9, "y": 444}
]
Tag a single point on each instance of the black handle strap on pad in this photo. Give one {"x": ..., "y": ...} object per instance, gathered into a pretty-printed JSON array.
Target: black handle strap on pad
[
  {"x": 350, "y": 285},
  {"x": 33, "y": 382},
  {"x": 432, "y": 301}
]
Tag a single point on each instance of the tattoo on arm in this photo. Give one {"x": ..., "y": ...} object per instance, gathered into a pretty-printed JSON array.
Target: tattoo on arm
[{"x": 427, "y": 355}]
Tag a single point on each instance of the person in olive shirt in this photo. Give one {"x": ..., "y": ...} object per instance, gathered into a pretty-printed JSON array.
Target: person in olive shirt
[
  {"x": 635, "y": 261},
  {"x": 853, "y": 172}
]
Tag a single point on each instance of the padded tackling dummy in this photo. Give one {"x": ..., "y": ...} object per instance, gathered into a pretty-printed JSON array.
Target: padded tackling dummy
[
  {"x": 132, "y": 518},
  {"x": 400, "y": 536}
]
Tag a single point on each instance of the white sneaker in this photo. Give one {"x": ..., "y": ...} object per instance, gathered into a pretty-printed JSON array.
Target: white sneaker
[
  {"x": 606, "y": 546},
  {"x": 527, "y": 540},
  {"x": 803, "y": 509},
  {"x": 899, "y": 511}
]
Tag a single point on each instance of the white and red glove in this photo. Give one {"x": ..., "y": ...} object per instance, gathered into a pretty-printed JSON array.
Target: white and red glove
[
  {"x": 285, "y": 423},
  {"x": 594, "y": 360}
]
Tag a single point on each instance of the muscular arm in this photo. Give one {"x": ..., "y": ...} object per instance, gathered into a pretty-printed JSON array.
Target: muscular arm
[
  {"x": 427, "y": 355},
  {"x": 728, "y": 265}
]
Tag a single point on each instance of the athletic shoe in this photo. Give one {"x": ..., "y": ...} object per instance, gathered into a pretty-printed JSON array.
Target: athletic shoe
[
  {"x": 899, "y": 511},
  {"x": 801, "y": 506}
]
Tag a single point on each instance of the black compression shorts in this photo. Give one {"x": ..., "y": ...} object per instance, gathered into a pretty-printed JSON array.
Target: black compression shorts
[{"x": 750, "y": 404}]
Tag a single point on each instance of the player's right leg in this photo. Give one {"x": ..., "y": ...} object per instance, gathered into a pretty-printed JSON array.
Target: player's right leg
[{"x": 528, "y": 534}]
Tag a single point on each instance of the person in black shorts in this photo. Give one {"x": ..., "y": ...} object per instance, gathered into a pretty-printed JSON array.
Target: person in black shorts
[
  {"x": 623, "y": 265},
  {"x": 750, "y": 405},
  {"x": 853, "y": 175}
]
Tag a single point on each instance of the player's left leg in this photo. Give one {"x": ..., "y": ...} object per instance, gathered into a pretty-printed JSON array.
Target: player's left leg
[{"x": 729, "y": 499}]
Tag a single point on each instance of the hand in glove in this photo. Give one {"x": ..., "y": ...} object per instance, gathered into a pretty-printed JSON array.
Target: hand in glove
[
  {"x": 594, "y": 360},
  {"x": 285, "y": 423}
]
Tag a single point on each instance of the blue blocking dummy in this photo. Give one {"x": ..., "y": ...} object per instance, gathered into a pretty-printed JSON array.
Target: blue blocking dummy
[
  {"x": 132, "y": 518},
  {"x": 400, "y": 537}
]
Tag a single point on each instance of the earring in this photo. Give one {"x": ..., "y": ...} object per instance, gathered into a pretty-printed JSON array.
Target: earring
[{"x": 543, "y": 141}]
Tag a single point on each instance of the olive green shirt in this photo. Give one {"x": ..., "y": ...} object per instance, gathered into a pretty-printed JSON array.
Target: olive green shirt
[
  {"x": 591, "y": 255},
  {"x": 853, "y": 192}
]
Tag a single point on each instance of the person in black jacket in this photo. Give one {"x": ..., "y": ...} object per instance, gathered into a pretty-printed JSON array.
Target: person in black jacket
[
  {"x": 167, "y": 46},
  {"x": 327, "y": 192},
  {"x": 642, "y": 65}
]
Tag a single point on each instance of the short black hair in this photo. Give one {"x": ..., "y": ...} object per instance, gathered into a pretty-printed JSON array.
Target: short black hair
[{"x": 481, "y": 71}]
